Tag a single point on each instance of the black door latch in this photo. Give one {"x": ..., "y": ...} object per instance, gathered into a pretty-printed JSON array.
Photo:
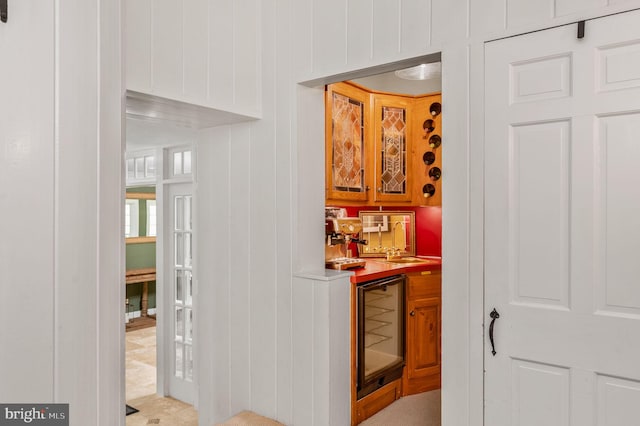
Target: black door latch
[{"x": 494, "y": 315}]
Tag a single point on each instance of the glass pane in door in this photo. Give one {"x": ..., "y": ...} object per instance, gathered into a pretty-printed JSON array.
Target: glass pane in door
[
  {"x": 187, "y": 213},
  {"x": 179, "y": 360},
  {"x": 188, "y": 356},
  {"x": 177, "y": 163},
  {"x": 180, "y": 286},
  {"x": 183, "y": 321},
  {"x": 188, "y": 288},
  {"x": 179, "y": 213}
]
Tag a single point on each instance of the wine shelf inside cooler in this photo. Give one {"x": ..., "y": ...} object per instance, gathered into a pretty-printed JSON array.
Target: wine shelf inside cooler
[
  {"x": 374, "y": 296},
  {"x": 371, "y": 339},
  {"x": 375, "y": 311},
  {"x": 377, "y": 361},
  {"x": 372, "y": 325},
  {"x": 375, "y": 318}
]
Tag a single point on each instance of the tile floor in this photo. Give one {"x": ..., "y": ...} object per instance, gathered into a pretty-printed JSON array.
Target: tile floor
[{"x": 141, "y": 385}]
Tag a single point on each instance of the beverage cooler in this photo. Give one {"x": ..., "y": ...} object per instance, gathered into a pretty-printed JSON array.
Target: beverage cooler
[{"x": 380, "y": 325}]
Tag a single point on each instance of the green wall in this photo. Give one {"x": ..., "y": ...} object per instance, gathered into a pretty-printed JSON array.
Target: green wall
[{"x": 141, "y": 255}]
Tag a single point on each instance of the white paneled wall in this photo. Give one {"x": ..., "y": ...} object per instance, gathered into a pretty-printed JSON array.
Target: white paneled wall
[
  {"x": 355, "y": 34},
  {"x": 245, "y": 242},
  {"x": 321, "y": 355},
  {"x": 204, "y": 52},
  {"x": 245, "y": 273},
  {"x": 213, "y": 218},
  {"x": 76, "y": 208},
  {"x": 61, "y": 257},
  {"x": 261, "y": 186},
  {"x": 26, "y": 163}
]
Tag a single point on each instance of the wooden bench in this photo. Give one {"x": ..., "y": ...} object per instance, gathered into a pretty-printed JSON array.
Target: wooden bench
[{"x": 144, "y": 276}]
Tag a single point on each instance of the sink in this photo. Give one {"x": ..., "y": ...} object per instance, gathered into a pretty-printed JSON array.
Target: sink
[{"x": 406, "y": 260}]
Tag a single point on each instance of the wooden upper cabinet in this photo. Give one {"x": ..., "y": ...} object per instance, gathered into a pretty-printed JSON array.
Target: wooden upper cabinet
[
  {"x": 376, "y": 147},
  {"x": 347, "y": 115},
  {"x": 392, "y": 148}
]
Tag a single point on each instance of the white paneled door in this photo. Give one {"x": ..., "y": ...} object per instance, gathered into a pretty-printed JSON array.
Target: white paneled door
[
  {"x": 562, "y": 226},
  {"x": 181, "y": 299}
]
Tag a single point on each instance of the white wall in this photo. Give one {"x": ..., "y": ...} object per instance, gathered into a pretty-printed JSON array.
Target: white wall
[
  {"x": 27, "y": 199},
  {"x": 61, "y": 189},
  {"x": 204, "y": 52},
  {"x": 261, "y": 187}
]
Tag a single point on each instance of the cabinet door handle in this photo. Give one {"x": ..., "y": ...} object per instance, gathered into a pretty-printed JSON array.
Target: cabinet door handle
[
  {"x": 412, "y": 313},
  {"x": 494, "y": 316}
]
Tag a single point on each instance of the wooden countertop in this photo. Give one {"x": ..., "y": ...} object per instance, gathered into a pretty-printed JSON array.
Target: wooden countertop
[{"x": 380, "y": 268}]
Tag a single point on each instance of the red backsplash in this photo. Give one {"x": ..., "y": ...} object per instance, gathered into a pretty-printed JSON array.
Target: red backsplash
[{"x": 428, "y": 227}]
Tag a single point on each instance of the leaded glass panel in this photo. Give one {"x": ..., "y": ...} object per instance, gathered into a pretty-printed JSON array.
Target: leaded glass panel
[
  {"x": 393, "y": 151},
  {"x": 347, "y": 120}
]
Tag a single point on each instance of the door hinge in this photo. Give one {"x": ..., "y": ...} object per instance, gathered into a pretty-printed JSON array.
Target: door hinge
[
  {"x": 3, "y": 11},
  {"x": 581, "y": 29}
]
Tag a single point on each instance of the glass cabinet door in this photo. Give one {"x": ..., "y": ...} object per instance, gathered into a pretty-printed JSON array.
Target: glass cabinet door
[
  {"x": 347, "y": 122},
  {"x": 392, "y": 138}
]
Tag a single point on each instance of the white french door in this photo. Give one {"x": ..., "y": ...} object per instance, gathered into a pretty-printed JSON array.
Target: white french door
[
  {"x": 562, "y": 226},
  {"x": 181, "y": 297}
]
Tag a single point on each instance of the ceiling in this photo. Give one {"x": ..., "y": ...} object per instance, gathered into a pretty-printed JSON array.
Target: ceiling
[
  {"x": 389, "y": 82},
  {"x": 144, "y": 134}
]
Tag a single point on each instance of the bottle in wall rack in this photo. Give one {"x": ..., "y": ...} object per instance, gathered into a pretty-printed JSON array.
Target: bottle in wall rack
[
  {"x": 435, "y": 109},
  {"x": 435, "y": 173},
  {"x": 435, "y": 141},
  {"x": 428, "y": 158},
  {"x": 428, "y": 126},
  {"x": 428, "y": 190}
]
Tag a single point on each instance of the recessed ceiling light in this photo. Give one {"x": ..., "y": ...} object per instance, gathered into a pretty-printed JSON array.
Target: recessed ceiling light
[{"x": 421, "y": 72}]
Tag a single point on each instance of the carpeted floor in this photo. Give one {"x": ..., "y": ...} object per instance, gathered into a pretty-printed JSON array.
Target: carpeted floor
[{"x": 422, "y": 409}]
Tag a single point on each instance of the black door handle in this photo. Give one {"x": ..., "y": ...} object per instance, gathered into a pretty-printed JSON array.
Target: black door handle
[{"x": 494, "y": 316}]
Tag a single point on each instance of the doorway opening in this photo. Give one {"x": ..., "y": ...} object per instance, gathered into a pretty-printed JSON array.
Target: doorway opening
[
  {"x": 140, "y": 281},
  {"x": 387, "y": 155},
  {"x": 159, "y": 371}
]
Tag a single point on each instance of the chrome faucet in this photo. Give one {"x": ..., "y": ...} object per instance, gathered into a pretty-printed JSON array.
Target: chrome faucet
[{"x": 395, "y": 251}]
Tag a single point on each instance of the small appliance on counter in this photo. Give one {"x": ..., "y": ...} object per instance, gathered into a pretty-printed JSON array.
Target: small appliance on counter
[{"x": 340, "y": 231}]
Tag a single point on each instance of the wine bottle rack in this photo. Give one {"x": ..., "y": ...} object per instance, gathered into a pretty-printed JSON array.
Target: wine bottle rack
[{"x": 428, "y": 144}]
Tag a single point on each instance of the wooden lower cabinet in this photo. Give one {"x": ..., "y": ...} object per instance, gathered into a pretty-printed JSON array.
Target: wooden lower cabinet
[
  {"x": 376, "y": 401},
  {"x": 422, "y": 333},
  {"x": 423, "y": 318}
]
